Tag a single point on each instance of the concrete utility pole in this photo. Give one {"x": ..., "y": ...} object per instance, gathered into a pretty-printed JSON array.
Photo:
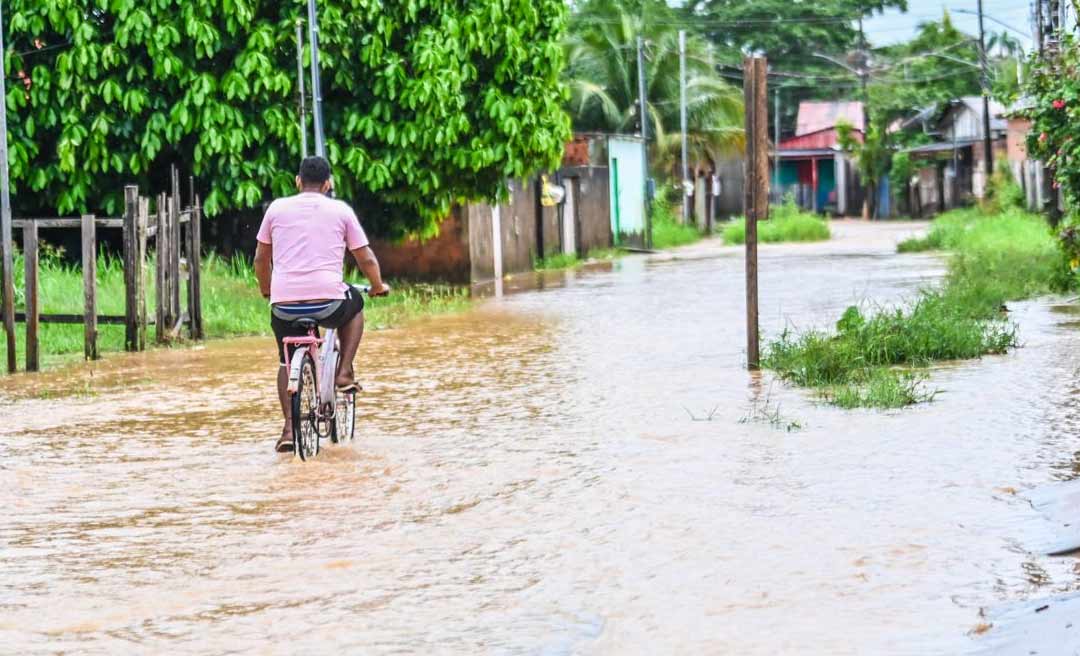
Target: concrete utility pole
[
  {"x": 316, "y": 84},
  {"x": 300, "y": 82},
  {"x": 8, "y": 282},
  {"x": 756, "y": 189},
  {"x": 682, "y": 121},
  {"x": 776, "y": 139},
  {"x": 642, "y": 103},
  {"x": 988, "y": 149}
]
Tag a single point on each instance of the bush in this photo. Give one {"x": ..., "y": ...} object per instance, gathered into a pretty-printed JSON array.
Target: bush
[
  {"x": 786, "y": 222},
  {"x": 997, "y": 258},
  {"x": 667, "y": 230},
  {"x": 1003, "y": 193}
]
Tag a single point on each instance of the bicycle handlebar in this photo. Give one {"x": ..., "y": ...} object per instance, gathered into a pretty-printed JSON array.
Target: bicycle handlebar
[{"x": 366, "y": 289}]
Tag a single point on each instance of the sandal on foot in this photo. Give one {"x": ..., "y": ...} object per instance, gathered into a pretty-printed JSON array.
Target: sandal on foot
[
  {"x": 284, "y": 444},
  {"x": 350, "y": 388}
]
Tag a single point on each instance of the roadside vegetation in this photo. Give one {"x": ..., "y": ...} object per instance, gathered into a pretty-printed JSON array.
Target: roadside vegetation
[
  {"x": 668, "y": 231},
  {"x": 786, "y": 222},
  {"x": 876, "y": 356},
  {"x": 232, "y": 305}
]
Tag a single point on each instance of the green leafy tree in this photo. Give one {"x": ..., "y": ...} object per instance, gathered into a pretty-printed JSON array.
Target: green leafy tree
[
  {"x": 872, "y": 156},
  {"x": 426, "y": 102},
  {"x": 939, "y": 64},
  {"x": 602, "y": 76},
  {"x": 790, "y": 33}
]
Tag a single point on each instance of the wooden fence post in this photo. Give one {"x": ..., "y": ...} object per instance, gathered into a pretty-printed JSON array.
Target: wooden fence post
[
  {"x": 89, "y": 259},
  {"x": 33, "y": 302},
  {"x": 174, "y": 261},
  {"x": 142, "y": 224},
  {"x": 194, "y": 268},
  {"x": 131, "y": 268},
  {"x": 161, "y": 270}
]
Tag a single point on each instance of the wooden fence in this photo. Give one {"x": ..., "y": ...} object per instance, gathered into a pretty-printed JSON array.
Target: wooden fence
[{"x": 178, "y": 242}]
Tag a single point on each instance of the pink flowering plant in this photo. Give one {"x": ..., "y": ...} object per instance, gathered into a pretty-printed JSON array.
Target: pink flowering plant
[{"x": 1054, "y": 90}]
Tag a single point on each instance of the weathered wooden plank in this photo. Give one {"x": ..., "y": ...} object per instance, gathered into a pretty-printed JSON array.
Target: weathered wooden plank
[
  {"x": 131, "y": 268},
  {"x": 194, "y": 268},
  {"x": 89, "y": 264},
  {"x": 33, "y": 300},
  {"x": 161, "y": 268},
  {"x": 142, "y": 229},
  {"x": 102, "y": 319},
  {"x": 174, "y": 252},
  {"x": 65, "y": 222}
]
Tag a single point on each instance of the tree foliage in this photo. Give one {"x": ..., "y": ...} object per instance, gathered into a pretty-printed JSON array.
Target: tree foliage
[
  {"x": 426, "y": 102},
  {"x": 602, "y": 75}
]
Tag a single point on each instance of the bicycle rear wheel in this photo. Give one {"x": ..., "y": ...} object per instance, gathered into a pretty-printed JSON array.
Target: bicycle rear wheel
[
  {"x": 344, "y": 416},
  {"x": 305, "y": 408}
]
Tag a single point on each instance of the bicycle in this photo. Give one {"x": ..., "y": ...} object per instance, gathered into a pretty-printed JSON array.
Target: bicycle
[{"x": 319, "y": 409}]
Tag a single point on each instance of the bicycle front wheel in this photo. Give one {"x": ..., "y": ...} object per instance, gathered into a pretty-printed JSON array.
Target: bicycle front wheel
[{"x": 305, "y": 409}]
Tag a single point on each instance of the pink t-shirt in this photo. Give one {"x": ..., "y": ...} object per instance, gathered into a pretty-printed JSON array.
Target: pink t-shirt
[{"x": 308, "y": 234}]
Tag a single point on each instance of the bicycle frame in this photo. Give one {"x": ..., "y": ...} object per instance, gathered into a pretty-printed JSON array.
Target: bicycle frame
[{"x": 325, "y": 360}]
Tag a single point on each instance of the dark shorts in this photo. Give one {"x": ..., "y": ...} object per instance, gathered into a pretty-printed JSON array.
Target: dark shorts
[{"x": 346, "y": 309}]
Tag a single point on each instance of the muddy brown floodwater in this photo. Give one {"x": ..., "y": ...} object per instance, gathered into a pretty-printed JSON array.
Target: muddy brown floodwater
[{"x": 528, "y": 480}]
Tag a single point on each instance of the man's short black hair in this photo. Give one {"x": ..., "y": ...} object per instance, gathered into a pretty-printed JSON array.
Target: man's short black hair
[{"x": 314, "y": 171}]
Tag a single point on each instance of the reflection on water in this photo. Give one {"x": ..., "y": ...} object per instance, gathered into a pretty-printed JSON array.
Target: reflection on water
[{"x": 526, "y": 479}]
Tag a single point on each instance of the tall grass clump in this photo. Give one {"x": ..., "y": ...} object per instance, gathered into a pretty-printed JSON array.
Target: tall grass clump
[
  {"x": 667, "y": 230},
  {"x": 873, "y": 356},
  {"x": 786, "y": 222}
]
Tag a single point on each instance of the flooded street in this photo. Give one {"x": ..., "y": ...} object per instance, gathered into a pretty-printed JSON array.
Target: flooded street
[{"x": 560, "y": 471}]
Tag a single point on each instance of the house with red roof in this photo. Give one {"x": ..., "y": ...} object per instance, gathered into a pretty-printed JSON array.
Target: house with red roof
[{"x": 812, "y": 167}]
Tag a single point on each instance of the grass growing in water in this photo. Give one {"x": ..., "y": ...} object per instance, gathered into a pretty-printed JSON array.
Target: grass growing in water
[
  {"x": 866, "y": 361},
  {"x": 232, "y": 305},
  {"x": 786, "y": 223}
]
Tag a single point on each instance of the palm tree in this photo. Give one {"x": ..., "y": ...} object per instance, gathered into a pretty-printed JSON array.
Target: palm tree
[{"x": 601, "y": 73}]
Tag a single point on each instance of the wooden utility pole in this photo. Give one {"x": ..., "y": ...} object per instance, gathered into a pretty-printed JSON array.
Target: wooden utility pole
[
  {"x": 7, "y": 257},
  {"x": 756, "y": 190}
]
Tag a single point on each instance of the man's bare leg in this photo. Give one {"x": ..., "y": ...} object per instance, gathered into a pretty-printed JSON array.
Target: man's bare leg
[
  {"x": 283, "y": 397},
  {"x": 350, "y": 335}
]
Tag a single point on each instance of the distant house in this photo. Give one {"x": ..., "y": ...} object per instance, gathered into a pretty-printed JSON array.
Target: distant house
[
  {"x": 950, "y": 170},
  {"x": 812, "y": 168},
  {"x": 1032, "y": 176}
]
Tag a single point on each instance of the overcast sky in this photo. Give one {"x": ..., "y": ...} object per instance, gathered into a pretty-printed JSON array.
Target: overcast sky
[{"x": 894, "y": 26}]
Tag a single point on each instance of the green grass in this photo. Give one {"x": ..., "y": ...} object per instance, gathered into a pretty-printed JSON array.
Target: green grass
[
  {"x": 557, "y": 261},
  {"x": 786, "y": 223},
  {"x": 873, "y": 356},
  {"x": 667, "y": 231},
  {"x": 232, "y": 305}
]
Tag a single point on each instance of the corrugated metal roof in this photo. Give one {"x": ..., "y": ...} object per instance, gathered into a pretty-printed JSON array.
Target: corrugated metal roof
[
  {"x": 821, "y": 115},
  {"x": 975, "y": 104},
  {"x": 827, "y": 138},
  {"x": 940, "y": 146}
]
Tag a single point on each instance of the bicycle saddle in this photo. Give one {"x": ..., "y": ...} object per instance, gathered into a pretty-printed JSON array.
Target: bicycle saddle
[{"x": 306, "y": 323}]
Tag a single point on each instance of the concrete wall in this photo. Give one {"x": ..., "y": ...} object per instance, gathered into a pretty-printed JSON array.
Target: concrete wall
[
  {"x": 593, "y": 206},
  {"x": 732, "y": 177},
  {"x": 464, "y": 249},
  {"x": 1016, "y": 139},
  {"x": 443, "y": 258}
]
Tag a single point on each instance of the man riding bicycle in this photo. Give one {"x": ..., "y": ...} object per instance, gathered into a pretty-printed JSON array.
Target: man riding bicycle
[{"x": 299, "y": 260}]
